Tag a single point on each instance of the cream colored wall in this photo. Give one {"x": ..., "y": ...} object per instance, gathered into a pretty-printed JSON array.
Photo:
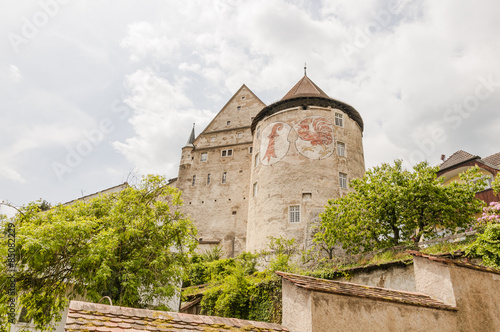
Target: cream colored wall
[
  {"x": 394, "y": 277},
  {"x": 332, "y": 312},
  {"x": 284, "y": 182},
  {"x": 220, "y": 211},
  {"x": 456, "y": 178}
]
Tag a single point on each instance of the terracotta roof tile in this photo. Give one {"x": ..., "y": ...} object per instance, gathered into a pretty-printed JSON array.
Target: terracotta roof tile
[
  {"x": 305, "y": 88},
  {"x": 374, "y": 293},
  {"x": 85, "y": 316},
  {"x": 449, "y": 261},
  {"x": 494, "y": 159},
  {"x": 458, "y": 157}
]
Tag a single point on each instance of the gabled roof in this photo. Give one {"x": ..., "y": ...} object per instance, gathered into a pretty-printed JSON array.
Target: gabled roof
[
  {"x": 457, "y": 158},
  {"x": 85, "y": 316},
  {"x": 494, "y": 159},
  {"x": 355, "y": 290},
  {"x": 305, "y": 88}
]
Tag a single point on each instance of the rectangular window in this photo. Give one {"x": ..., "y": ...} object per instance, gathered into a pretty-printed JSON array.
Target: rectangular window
[
  {"x": 204, "y": 156},
  {"x": 228, "y": 123},
  {"x": 238, "y": 108},
  {"x": 338, "y": 120},
  {"x": 250, "y": 149},
  {"x": 208, "y": 178},
  {"x": 194, "y": 180},
  {"x": 224, "y": 177},
  {"x": 343, "y": 180},
  {"x": 226, "y": 153},
  {"x": 294, "y": 213},
  {"x": 341, "y": 149},
  {"x": 256, "y": 160},
  {"x": 255, "y": 189}
]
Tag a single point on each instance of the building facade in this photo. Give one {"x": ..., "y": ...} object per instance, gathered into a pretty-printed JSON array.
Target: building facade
[{"x": 258, "y": 171}]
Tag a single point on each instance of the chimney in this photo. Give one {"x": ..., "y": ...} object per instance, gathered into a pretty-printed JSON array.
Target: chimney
[{"x": 443, "y": 157}]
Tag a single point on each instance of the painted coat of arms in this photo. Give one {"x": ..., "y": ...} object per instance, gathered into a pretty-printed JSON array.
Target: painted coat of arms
[
  {"x": 315, "y": 137},
  {"x": 274, "y": 144}
]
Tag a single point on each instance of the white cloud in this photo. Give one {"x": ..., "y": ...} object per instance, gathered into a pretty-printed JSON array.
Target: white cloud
[{"x": 14, "y": 74}]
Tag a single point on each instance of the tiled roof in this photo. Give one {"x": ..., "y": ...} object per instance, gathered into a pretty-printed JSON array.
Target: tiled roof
[
  {"x": 374, "y": 293},
  {"x": 455, "y": 262},
  {"x": 305, "y": 88},
  {"x": 458, "y": 157},
  {"x": 85, "y": 316},
  {"x": 493, "y": 159}
]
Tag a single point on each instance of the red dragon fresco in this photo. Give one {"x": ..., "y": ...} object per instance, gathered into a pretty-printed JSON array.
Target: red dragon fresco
[
  {"x": 320, "y": 135},
  {"x": 271, "y": 153}
]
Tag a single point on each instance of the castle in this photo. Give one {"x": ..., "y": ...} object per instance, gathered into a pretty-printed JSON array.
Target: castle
[{"x": 257, "y": 171}]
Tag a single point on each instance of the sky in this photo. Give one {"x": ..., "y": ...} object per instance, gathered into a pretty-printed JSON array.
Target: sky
[{"x": 95, "y": 93}]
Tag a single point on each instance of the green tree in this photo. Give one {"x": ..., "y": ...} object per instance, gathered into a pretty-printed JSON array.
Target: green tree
[
  {"x": 390, "y": 206},
  {"x": 132, "y": 246},
  {"x": 496, "y": 184}
]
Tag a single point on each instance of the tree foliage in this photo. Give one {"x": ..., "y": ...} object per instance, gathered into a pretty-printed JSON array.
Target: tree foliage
[
  {"x": 131, "y": 246},
  {"x": 390, "y": 206}
]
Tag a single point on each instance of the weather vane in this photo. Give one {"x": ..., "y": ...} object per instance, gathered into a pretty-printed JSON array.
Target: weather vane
[{"x": 305, "y": 69}]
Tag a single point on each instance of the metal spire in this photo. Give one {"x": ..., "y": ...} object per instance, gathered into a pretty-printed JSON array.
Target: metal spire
[
  {"x": 305, "y": 69},
  {"x": 191, "y": 137}
]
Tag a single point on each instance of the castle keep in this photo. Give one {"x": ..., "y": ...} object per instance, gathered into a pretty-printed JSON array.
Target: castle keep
[{"x": 258, "y": 171}]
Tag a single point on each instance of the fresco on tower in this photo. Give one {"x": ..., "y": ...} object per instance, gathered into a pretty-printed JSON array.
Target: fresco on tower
[
  {"x": 315, "y": 137},
  {"x": 274, "y": 144}
]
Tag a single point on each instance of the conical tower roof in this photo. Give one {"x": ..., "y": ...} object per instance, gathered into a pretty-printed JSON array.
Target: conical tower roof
[
  {"x": 305, "y": 88},
  {"x": 303, "y": 94},
  {"x": 191, "y": 138}
]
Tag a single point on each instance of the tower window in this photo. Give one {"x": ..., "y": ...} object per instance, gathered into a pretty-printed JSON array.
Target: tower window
[
  {"x": 228, "y": 123},
  {"x": 224, "y": 177},
  {"x": 255, "y": 189},
  {"x": 343, "y": 180},
  {"x": 339, "y": 121},
  {"x": 208, "y": 178},
  {"x": 341, "y": 149},
  {"x": 294, "y": 213},
  {"x": 204, "y": 156},
  {"x": 250, "y": 149},
  {"x": 256, "y": 159},
  {"x": 238, "y": 108},
  {"x": 226, "y": 153},
  {"x": 194, "y": 180}
]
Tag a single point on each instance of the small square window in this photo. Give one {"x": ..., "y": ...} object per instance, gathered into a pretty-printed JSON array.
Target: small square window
[
  {"x": 238, "y": 108},
  {"x": 212, "y": 138},
  {"x": 343, "y": 180},
  {"x": 294, "y": 213},
  {"x": 341, "y": 149},
  {"x": 242, "y": 97},
  {"x": 339, "y": 121},
  {"x": 240, "y": 135},
  {"x": 224, "y": 177},
  {"x": 234, "y": 212},
  {"x": 228, "y": 123},
  {"x": 204, "y": 156}
]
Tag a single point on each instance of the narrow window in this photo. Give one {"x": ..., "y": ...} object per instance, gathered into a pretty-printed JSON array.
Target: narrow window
[
  {"x": 343, "y": 180},
  {"x": 194, "y": 180},
  {"x": 294, "y": 213},
  {"x": 341, "y": 149},
  {"x": 228, "y": 123},
  {"x": 338, "y": 120},
  {"x": 204, "y": 156},
  {"x": 250, "y": 149},
  {"x": 258, "y": 133},
  {"x": 224, "y": 177},
  {"x": 223, "y": 153},
  {"x": 255, "y": 189},
  {"x": 208, "y": 178},
  {"x": 256, "y": 160}
]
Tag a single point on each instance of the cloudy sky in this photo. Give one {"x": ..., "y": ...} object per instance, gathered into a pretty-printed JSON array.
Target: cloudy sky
[{"x": 94, "y": 91}]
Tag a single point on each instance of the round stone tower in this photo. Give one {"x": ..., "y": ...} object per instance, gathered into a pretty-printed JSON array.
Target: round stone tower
[{"x": 306, "y": 149}]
